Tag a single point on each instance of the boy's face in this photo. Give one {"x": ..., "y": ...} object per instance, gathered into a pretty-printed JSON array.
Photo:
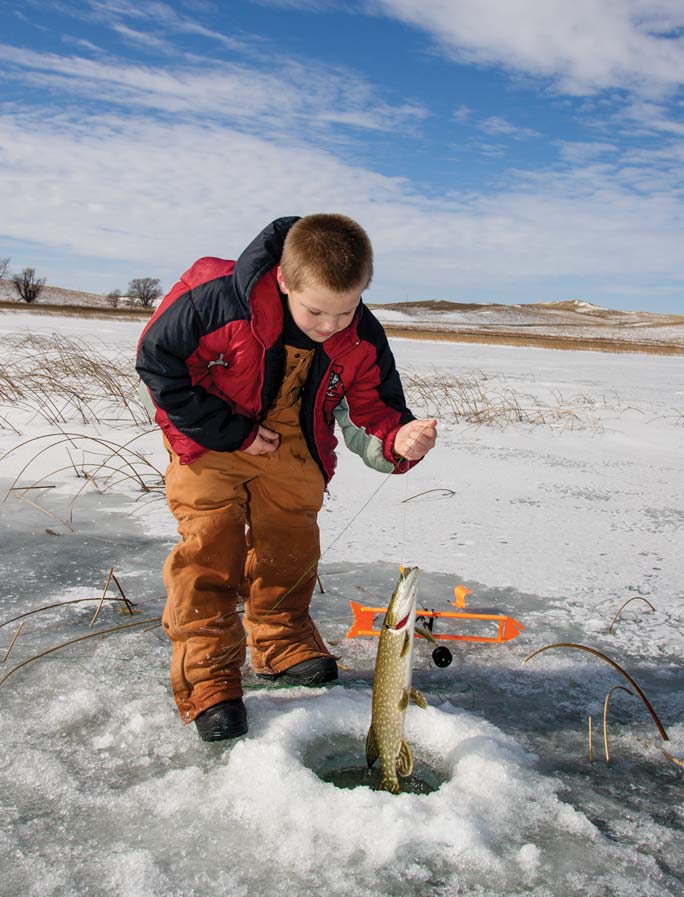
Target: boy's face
[{"x": 320, "y": 312}]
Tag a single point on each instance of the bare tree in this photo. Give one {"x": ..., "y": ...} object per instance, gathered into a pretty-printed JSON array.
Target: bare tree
[
  {"x": 28, "y": 285},
  {"x": 113, "y": 298},
  {"x": 4, "y": 265},
  {"x": 145, "y": 290}
]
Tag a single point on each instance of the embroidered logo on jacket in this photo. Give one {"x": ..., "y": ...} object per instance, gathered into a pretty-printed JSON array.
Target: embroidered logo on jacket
[
  {"x": 220, "y": 360},
  {"x": 333, "y": 384},
  {"x": 335, "y": 388},
  {"x": 334, "y": 392}
]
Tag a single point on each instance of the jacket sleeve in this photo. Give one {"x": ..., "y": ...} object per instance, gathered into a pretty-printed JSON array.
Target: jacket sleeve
[
  {"x": 374, "y": 408},
  {"x": 170, "y": 338}
]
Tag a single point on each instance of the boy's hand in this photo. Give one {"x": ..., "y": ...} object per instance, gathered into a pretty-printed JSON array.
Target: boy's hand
[
  {"x": 266, "y": 441},
  {"x": 415, "y": 439}
]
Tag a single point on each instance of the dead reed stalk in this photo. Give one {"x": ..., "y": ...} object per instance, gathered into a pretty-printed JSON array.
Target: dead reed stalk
[
  {"x": 102, "y": 598},
  {"x": 616, "y": 666},
  {"x": 605, "y": 716},
  {"x": 120, "y": 460},
  {"x": 39, "y": 610},
  {"x": 675, "y": 760},
  {"x": 629, "y": 600},
  {"x": 14, "y": 638},
  {"x": 73, "y": 641}
]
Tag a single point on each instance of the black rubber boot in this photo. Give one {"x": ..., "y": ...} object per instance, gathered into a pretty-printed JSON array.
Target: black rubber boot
[
  {"x": 225, "y": 720},
  {"x": 312, "y": 672}
]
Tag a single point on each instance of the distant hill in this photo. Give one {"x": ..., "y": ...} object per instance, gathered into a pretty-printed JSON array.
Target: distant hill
[
  {"x": 54, "y": 296},
  {"x": 431, "y": 308},
  {"x": 564, "y": 324}
]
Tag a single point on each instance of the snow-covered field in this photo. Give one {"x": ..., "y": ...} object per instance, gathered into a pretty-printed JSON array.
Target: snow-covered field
[{"x": 557, "y": 523}]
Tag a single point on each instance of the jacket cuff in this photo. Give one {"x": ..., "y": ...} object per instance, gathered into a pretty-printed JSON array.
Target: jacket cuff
[
  {"x": 251, "y": 436},
  {"x": 401, "y": 465}
]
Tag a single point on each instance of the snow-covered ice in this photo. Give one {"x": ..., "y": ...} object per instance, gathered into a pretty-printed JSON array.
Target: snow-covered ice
[{"x": 103, "y": 792}]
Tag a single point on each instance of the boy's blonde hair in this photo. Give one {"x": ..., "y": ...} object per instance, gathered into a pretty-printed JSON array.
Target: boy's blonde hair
[{"x": 327, "y": 250}]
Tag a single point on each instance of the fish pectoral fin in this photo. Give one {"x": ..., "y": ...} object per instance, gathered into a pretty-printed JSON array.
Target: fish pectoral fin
[
  {"x": 425, "y": 633},
  {"x": 371, "y": 748},
  {"x": 403, "y": 700},
  {"x": 419, "y": 698},
  {"x": 404, "y": 760},
  {"x": 406, "y": 646}
]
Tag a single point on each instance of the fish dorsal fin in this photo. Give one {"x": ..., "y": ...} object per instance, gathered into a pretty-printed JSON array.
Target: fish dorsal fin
[
  {"x": 371, "y": 748},
  {"x": 418, "y": 698},
  {"x": 406, "y": 646},
  {"x": 404, "y": 760},
  {"x": 403, "y": 700}
]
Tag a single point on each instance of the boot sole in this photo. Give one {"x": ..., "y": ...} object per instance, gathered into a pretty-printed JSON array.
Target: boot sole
[
  {"x": 319, "y": 677},
  {"x": 224, "y": 734},
  {"x": 316, "y": 679}
]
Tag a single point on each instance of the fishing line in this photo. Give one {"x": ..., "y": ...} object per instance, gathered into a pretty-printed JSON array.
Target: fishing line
[
  {"x": 404, "y": 519},
  {"x": 236, "y": 645}
]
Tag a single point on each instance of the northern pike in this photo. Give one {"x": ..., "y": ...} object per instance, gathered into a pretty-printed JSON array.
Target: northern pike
[{"x": 392, "y": 685}]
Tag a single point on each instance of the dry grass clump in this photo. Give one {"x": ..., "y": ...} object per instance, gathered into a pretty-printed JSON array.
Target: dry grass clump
[
  {"x": 63, "y": 379},
  {"x": 103, "y": 464},
  {"x": 478, "y": 400}
]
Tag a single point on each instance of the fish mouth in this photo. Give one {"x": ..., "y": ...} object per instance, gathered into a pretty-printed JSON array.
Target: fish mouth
[{"x": 403, "y": 604}]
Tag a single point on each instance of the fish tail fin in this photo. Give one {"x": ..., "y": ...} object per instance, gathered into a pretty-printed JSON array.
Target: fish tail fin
[
  {"x": 389, "y": 784},
  {"x": 404, "y": 760}
]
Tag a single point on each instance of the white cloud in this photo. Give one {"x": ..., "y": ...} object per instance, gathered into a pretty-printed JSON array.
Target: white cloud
[
  {"x": 489, "y": 150},
  {"x": 81, "y": 42},
  {"x": 581, "y": 152},
  {"x": 582, "y": 46},
  {"x": 289, "y": 95},
  {"x": 156, "y": 16},
  {"x": 644, "y": 117},
  {"x": 144, "y": 38},
  {"x": 160, "y": 195},
  {"x": 302, "y": 5},
  {"x": 196, "y": 157},
  {"x": 462, "y": 114},
  {"x": 498, "y": 126}
]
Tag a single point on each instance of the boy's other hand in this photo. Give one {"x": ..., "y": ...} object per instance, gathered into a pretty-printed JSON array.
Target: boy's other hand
[
  {"x": 415, "y": 439},
  {"x": 266, "y": 441}
]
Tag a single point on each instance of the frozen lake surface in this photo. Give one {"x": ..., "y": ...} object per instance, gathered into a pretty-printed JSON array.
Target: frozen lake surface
[{"x": 103, "y": 792}]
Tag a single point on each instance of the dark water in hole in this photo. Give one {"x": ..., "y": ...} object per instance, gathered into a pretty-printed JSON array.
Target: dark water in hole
[
  {"x": 421, "y": 781},
  {"x": 342, "y": 763}
]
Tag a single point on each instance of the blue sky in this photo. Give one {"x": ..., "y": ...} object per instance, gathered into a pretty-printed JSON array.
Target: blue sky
[{"x": 495, "y": 150}]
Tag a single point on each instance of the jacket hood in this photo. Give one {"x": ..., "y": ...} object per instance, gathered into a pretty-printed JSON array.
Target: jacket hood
[{"x": 262, "y": 254}]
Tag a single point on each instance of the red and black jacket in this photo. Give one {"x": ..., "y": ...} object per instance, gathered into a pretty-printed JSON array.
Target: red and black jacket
[{"x": 212, "y": 359}]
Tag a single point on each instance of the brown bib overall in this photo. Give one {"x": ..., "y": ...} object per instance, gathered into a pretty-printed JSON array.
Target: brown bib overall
[{"x": 277, "y": 497}]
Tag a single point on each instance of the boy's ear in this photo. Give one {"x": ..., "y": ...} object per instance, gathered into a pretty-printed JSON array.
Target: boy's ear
[{"x": 280, "y": 279}]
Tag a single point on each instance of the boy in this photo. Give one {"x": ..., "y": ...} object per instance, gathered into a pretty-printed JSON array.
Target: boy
[{"x": 249, "y": 365}]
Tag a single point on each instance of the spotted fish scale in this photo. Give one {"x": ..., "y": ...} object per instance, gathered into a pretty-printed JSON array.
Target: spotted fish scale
[{"x": 392, "y": 685}]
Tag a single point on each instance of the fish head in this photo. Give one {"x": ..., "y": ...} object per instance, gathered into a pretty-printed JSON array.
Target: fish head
[{"x": 401, "y": 611}]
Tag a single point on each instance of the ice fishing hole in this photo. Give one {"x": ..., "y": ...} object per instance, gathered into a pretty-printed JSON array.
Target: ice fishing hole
[{"x": 341, "y": 761}]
